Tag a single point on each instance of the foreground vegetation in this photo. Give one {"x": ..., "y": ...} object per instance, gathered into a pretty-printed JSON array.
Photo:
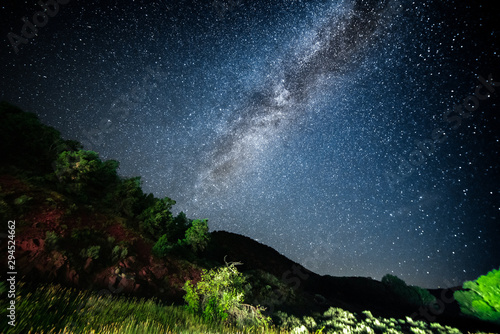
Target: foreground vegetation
[
  {"x": 55, "y": 309},
  {"x": 481, "y": 297}
]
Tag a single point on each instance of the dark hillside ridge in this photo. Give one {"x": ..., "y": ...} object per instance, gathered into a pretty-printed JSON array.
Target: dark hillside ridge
[{"x": 355, "y": 294}]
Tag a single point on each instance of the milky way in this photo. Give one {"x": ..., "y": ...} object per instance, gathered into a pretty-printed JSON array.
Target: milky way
[
  {"x": 267, "y": 113},
  {"x": 310, "y": 126}
]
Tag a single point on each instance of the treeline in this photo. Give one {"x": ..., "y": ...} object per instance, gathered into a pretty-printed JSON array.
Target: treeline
[{"x": 38, "y": 153}]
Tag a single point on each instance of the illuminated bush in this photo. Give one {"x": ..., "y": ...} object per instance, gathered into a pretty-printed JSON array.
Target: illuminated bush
[
  {"x": 219, "y": 296},
  {"x": 482, "y": 297}
]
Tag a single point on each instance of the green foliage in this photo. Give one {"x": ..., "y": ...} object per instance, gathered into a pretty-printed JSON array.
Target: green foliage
[
  {"x": 119, "y": 253},
  {"x": 285, "y": 320},
  {"x": 22, "y": 204},
  {"x": 197, "y": 235},
  {"x": 87, "y": 243},
  {"x": 219, "y": 296},
  {"x": 127, "y": 198},
  {"x": 337, "y": 320},
  {"x": 180, "y": 224},
  {"x": 162, "y": 247},
  {"x": 157, "y": 219},
  {"x": 23, "y": 200},
  {"x": 482, "y": 297},
  {"x": 52, "y": 241},
  {"x": 412, "y": 295},
  {"x": 91, "y": 252},
  {"x": 84, "y": 174},
  {"x": 54, "y": 309}
]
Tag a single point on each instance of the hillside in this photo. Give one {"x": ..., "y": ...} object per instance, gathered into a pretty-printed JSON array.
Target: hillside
[{"x": 79, "y": 224}]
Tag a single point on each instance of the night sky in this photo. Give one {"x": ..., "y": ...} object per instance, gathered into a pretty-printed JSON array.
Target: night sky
[{"x": 356, "y": 137}]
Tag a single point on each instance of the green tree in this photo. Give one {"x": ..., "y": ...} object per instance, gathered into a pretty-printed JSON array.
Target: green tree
[
  {"x": 180, "y": 225},
  {"x": 157, "y": 219},
  {"x": 127, "y": 198},
  {"x": 197, "y": 235},
  {"x": 162, "y": 247},
  {"x": 412, "y": 295},
  {"x": 219, "y": 297},
  {"x": 481, "y": 297},
  {"x": 82, "y": 172}
]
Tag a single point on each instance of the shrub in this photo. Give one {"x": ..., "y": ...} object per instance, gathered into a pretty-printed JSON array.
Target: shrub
[
  {"x": 219, "y": 296},
  {"x": 286, "y": 321},
  {"x": 51, "y": 241},
  {"x": 162, "y": 247},
  {"x": 23, "y": 200},
  {"x": 91, "y": 252},
  {"x": 119, "y": 253},
  {"x": 482, "y": 297}
]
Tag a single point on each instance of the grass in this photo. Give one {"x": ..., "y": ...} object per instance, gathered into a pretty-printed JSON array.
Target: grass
[{"x": 55, "y": 309}]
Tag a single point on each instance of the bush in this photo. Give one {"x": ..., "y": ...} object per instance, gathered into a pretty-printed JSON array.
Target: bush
[
  {"x": 412, "y": 295},
  {"x": 219, "y": 296},
  {"x": 51, "y": 241},
  {"x": 91, "y": 252},
  {"x": 286, "y": 321},
  {"x": 162, "y": 247},
  {"x": 482, "y": 297},
  {"x": 23, "y": 200},
  {"x": 197, "y": 235},
  {"x": 119, "y": 253}
]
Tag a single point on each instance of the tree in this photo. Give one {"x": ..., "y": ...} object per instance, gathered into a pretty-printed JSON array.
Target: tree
[
  {"x": 162, "y": 247},
  {"x": 197, "y": 235},
  {"x": 412, "y": 295},
  {"x": 481, "y": 298},
  {"x": 128, "y": 197},
  {"x": 180, "y": 225},
  {"x": 157, "y": 219},
  {"x": 83, "y": 173}
]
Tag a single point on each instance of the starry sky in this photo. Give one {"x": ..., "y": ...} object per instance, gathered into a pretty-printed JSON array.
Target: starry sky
[{"x": 356, "y": 137}]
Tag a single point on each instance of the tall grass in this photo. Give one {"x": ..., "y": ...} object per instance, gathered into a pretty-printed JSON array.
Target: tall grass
[{"x": 55, "y": 309}]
